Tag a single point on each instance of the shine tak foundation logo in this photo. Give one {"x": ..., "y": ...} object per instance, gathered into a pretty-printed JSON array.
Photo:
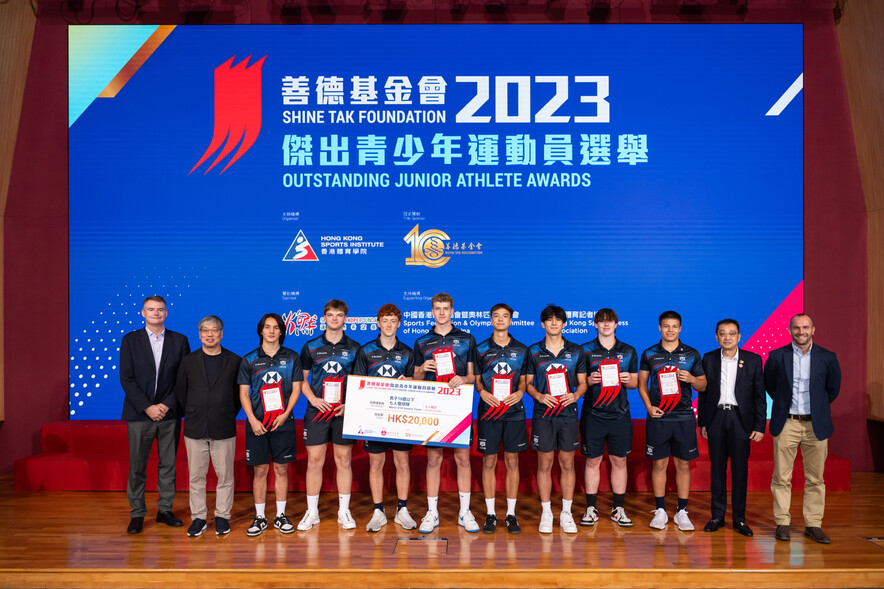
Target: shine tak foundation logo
[
  {"x": 433, "y": 248},
  {"x": 237, "y": 111}
]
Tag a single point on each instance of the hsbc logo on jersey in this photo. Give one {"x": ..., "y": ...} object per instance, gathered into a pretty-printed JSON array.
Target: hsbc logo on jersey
[
  {"x": 332, "y": 367},
  {"x": 237, "y": 111},
  {"x": 387, "y": 371},
  {"x": 271, "y": 377},
  {"x": 502, "y": 368}
]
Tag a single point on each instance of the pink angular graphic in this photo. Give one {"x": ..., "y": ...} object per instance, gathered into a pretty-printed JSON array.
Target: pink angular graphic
[
  {"x": 774, "y": 332},
  {"x": 465, "y": 423}
]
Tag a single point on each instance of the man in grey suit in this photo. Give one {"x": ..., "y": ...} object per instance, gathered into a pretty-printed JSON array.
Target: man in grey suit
[
  {"x": 149, "y": 360},
  {"x": 207, "y": 390}
]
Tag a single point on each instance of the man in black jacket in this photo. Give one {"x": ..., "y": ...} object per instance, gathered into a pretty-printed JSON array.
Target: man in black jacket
[
  {"x": 207, "y": 390},
  {"x": 731, "y": 413},
  {"x": 149, "y": 360}
]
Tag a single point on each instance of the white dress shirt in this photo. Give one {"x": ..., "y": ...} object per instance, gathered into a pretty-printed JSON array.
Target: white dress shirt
[
  {"x": 728, "y": 379},
  {"x": 156, "y": 346},
  {"x": 800, "y": 381}
]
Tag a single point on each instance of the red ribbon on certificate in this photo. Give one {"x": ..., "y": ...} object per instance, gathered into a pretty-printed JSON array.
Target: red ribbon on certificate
[
  {"x": 669, "y": 396},
  {"x": 609, "y": 393},
  {"x": 272, "y": 403},
  {"x": 500, "y": 381},
  {"x": 335, "y": 384},
  {"x": 551, "y": 377}
]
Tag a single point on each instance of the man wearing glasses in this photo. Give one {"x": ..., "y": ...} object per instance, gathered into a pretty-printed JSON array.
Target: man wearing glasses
[
  {"x": 731, "y": 413},
  {"x": 207, "y": 389}
]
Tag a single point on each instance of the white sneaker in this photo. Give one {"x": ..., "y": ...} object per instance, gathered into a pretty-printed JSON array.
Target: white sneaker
[
  {"x": 430, "y": 522},
  {"x": 308, "y": 521},
  {"x": 378, "y": 521},
  {"x": 658, "y": 522},
  {"x": 590, "y": 517},
  {"x": 346, "y": 520},
  {"x": 618, "y": 516},
  {"x": 683, "y": 521},
  {"x": 404, "y": 519},
  {"x": 468, "y": 522},
  {"x": 546, "y": 521},
  {"x": 566, "y": 521}
]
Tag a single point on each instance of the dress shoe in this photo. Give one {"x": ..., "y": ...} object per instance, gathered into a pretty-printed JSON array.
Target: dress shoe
[
  {"x": 782, "y": 533},
  {"x": 135, "y": 525},
  {"x": 743, "y": 528},
  {"x": 817, "y": 535},
  {"x": 168, "y": 518},
  {"x": 714, "y": 524}
]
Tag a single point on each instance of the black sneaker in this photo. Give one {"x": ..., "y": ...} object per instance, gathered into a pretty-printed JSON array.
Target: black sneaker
[
  {"x": 490, "y": 524},
  {"x": 222, "y": 526},
  {"x": 196, "y": 528},
  {"x": 283, "y": 524},
  {"x": 258, "y": 526},
  {"x": 512, "y": 525}
]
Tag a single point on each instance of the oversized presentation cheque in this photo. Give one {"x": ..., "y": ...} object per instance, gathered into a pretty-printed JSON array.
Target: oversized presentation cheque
[{"x": 408, "y": 411}]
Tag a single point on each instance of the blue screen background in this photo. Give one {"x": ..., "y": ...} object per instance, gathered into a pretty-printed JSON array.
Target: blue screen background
[{"x": 710, "y": 226}]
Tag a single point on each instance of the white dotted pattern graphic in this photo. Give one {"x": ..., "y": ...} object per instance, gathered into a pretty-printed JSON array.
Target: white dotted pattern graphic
[{"x": 95, "y": 349}]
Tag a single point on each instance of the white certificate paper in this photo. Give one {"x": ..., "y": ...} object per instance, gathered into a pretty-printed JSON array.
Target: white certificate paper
[
  {"x": 669, "y": 384},
  {"x": 610, "y": 375},
  {"x": 444, "y": 363},
  {"x": 332, "y": 390},
  {"x": 272, "y": 399},
  {"x": 501, "y": 387},
  {"x": 558, "y": 383}
]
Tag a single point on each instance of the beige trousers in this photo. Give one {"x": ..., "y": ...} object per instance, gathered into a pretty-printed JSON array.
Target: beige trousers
[
  {"x": 813, "y": 453},
  {"x": 220, "y": 452}
]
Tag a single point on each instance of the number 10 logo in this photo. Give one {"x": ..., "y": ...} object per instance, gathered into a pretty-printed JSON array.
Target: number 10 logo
[{"x": 427, "y": 248}]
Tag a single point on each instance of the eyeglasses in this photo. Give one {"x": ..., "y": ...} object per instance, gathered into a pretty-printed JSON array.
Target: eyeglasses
[{"x": 209, "y": 330}]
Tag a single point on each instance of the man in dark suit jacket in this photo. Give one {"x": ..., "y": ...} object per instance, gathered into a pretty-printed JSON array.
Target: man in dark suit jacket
[
  {"x": 802, "y": 379},
  {"x": 731, "y": 412},
  {"x": 207, "y": 390},
  {"x": 149, "y": 360}
]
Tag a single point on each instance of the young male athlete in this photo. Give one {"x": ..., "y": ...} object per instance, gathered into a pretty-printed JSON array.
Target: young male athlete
[
  {"x": 559, "y": 370},
  {"x": 446, "y": 354},
  {"x": 667, "y": 372},
  {"x": 501, "y": 382},
  {"x": 268, "y": 393},
  {"x": 612, "y": 368},
  {"x": 328, "y": 359},
  {"x": 387, "y": 357}
]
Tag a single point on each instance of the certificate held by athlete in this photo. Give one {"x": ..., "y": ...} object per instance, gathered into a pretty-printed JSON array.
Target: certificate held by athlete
[{"x": 408, "y": 411}]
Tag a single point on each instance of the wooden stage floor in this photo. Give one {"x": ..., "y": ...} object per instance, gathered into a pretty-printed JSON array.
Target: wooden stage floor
[{"x": 78, "y": 539}]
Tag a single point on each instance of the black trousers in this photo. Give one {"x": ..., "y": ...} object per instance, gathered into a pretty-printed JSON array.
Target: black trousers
[{"x": 728, "y": 439}]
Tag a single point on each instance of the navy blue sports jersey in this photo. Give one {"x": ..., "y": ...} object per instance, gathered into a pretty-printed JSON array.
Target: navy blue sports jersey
[
  {"x": 373, "y": 359},
  {"x": 326, "y": 360},
  {"x": 258, "y": 370},
  {"x": 540, "y": 361},
  {"x": 685, "y": 358},
  {"x": 508, "y": 360},
  {"x": 462, "y": 344},
  {"x": 627, "y": 359}
]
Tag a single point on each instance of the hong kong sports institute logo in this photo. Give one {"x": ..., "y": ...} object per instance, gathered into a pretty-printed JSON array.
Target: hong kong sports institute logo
[
  {"x": 300, "y": 250},
  {"x": 237, "y": 111}
]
